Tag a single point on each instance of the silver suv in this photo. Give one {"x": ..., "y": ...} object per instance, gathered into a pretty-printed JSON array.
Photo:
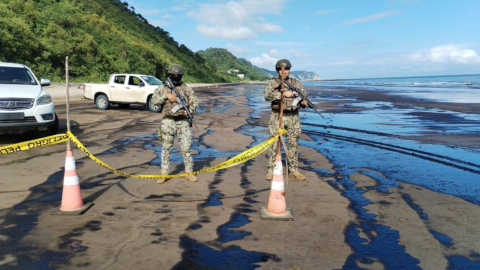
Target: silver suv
[{"x": 24, "y": 105}]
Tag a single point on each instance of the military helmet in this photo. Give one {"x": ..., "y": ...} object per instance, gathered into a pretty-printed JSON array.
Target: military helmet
[
  {"x": 175, "y": 69},
  {"x": 283, "y": 62}
]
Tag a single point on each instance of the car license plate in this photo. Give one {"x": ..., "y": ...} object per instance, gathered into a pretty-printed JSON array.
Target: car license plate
[{"x": 12, "y": 116}]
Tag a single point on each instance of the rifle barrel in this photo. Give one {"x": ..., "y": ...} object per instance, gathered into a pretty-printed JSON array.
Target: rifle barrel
[
  {"x": 182, "y": 101},
  {"x": 299, "y": 92}
]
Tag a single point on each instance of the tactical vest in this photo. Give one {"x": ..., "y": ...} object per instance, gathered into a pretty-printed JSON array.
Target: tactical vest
[
  {"x": 168, "y": 106},
  {"x": 287, "y": 102}
]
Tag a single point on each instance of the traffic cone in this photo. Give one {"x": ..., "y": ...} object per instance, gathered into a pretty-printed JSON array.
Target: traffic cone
[
  {"x": 72, "y": 202},
  {"x": 277, "y": 206}
]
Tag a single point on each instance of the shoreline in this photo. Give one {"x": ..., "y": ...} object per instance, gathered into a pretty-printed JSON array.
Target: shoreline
[{"x": 333, "y": 105}]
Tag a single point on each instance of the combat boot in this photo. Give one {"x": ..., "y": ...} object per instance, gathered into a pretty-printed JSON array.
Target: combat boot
[
  {"x": 162, "y": 180},
  {"x": 191, "y": 178},
  {"x": 297, "y": 175},
  {"x": 269, "y": 176}
]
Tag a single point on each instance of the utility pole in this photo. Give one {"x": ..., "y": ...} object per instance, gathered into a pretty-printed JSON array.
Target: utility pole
[{"x": 69, "y": 143}]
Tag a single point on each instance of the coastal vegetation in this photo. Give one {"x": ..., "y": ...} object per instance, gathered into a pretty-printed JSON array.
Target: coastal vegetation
[
  {"x": 103, "y": 37},
  {"x": 99, "y": 36}
]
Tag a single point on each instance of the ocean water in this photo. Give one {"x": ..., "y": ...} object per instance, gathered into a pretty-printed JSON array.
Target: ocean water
[
  {"x": 377, "y": 138},
  {"x": 452, "y": 89},
  {"x": 408, "y": 118},
  {"x": 382, "y": 132}
]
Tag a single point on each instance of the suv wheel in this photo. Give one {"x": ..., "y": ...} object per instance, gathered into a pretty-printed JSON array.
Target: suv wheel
[
  {"x": 102, "y": 102},
  {"x": 152, "y": 107}
]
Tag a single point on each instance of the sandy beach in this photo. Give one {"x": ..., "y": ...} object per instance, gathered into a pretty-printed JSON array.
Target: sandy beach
[
  {"x": 58, "y": 91},
  {"x": 352, "y": 212}
]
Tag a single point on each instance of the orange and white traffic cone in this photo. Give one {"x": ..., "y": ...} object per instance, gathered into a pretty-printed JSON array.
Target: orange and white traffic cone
[
  {"x": 72, "y": 201},
  {"x": 277, "y": 206}
]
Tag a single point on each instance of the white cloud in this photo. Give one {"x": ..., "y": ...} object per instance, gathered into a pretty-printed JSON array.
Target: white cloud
[
  {"x": 451, "y": 53},
  {"x": 264, "y": 6},
  {"x": 268, "y": 60},
  {"x": 237, "y": 19},
  {"x": 166, "y": 16},
  {"x": 264, "y": 61},
  {"x": 273, "y": 53},
  {"x": 331, "y": 64},
  {"x": 371, "y": 18},
  {"x": 295, "y": 53},
  {"x": 281, "y": 43},
  {"x": 261, "y": 19},
  {"x": 160, "y": 23},
  {"x": 324, "y": 11},
  {"x": 181, "y": 7},
  {"x": 268, "y": 27},
  {"x": 234, "y": 49},
  {"x": 226, "y": 32},
  {"x": 342, "y": 63},
  {"x": 149, "y": 11}
]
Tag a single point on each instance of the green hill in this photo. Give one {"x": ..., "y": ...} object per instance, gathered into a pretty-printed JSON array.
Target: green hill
[
  {"x": 99, "y": 36},
  {"x": 267, "y": 72},
  {"x": 226, "y": 64},
  {"x": 300, "y": 75}
]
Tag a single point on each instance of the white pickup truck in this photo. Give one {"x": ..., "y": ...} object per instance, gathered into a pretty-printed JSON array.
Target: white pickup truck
[{"x": 124, "y": 89}]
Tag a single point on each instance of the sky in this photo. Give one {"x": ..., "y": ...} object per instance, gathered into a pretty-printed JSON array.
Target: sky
[{"x": 337, "y": 39}]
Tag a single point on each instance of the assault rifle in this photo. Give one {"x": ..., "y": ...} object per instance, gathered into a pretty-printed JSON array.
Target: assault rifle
[
  {"x": 182, "y": 102},
  {"x": 301, "y": 97}
]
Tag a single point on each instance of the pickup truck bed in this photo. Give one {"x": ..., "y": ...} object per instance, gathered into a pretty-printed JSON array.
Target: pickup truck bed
[{"x": 124, "y": 89}]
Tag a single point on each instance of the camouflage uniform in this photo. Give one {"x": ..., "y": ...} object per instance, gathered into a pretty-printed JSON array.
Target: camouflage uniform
[
  {"x": 175, "y": 124},
  {"x": 291, "y": 121}
]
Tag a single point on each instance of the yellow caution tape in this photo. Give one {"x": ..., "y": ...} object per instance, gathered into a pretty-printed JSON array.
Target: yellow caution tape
[
  {"x": 238, "y": 159},
  {"x": 23, "y": 146},
  {"x": 51, "y": 140}
]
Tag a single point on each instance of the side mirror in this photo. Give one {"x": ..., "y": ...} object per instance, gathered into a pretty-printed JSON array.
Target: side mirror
[
  {"x": 141, "y": 84},
  {"x": 44, "y": 82}
]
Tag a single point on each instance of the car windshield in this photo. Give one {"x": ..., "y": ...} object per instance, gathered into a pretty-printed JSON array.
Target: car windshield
[
  {"x": 151, "y": 80},
  {"x": 16, "y": 75}
]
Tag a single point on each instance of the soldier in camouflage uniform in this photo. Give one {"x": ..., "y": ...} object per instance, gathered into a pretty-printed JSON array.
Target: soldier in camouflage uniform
[
  {"x": 175, "y": 122},
  {"x": 291, "y": 120}
]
